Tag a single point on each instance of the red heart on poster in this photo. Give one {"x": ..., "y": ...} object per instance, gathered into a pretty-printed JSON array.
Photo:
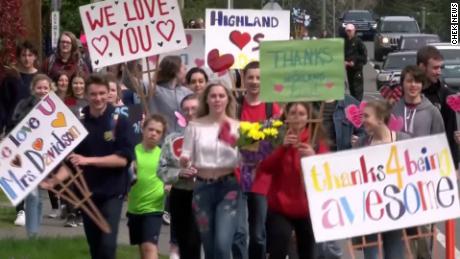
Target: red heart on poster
[
  {"x": 329, "y": 84},
  {"x": 100, "y": 44},
  {"x": 454, "y": 102},
  {"x": 240, "y": 39},
  {"x": 199, "y": 62},
  {"x": 219, "y": 63},
  {"x": 166, "y": 29},
  {"x": 354, "y": 114},
  {"x": 189, "y": 39},
  {"x": 278, "y": 88},
  {"x": 177, "y": 146}
]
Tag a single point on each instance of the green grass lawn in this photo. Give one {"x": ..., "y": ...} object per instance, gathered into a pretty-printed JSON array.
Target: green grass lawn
[{"x": 57, "y": 248}]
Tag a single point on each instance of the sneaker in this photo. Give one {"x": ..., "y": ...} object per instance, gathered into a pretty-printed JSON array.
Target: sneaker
[
  {"x": 71, "y": 222},
  {"x": 166, "y": 218},
  {"x": 54, "y": 214},
  {"x": 20, "y": 219}
]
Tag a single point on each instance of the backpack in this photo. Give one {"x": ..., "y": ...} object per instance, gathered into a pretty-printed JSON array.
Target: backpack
[{"x": 239, "y": 108}]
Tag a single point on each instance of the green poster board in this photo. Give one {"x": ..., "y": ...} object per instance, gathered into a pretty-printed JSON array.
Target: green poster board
[{"x": 302, "y": 70}]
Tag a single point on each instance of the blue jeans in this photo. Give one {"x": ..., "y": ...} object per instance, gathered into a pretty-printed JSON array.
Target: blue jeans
[
  {"x": 33, "y": 212},
  {"x": 393, "y": 246},
  {"x": 240, "y": 240},
  {"x": 216, "y": 211},
  {"x": 102, "y": 245}
]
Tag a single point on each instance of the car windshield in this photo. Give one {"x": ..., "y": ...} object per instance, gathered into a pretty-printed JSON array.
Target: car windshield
[
  {"x": 400, "y": 26},
  {"x": 451, "y": 70},
  {"x": 357, "y": 16},
  {"x": 399, "y": 61},
  {"x": 451, "y": 54},
  {"x": 415, "y": 43}
]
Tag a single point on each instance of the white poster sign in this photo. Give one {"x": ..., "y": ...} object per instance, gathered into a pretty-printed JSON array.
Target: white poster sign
[
  {"x": 121, "y": 30},
  {"x": 381, "y": 188},
  {"x": 37, "y": 145},
  {"x": 233, "y": 35}
]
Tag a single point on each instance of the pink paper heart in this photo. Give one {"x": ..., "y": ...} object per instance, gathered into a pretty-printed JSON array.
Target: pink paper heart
[
  {"x": 454, "y": 102},
  {"x": 181, "y": 121},
  {"x": 354, "y": 114},
  {"x": 395, "y": 123},
  {"x": 199, "y": 62}
]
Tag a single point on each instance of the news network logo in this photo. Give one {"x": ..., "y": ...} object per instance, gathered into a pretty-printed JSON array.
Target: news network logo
[{"x": 454, "y": 23}]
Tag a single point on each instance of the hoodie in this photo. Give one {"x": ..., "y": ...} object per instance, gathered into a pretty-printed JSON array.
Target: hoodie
[
  {"x": 166, "y": 101},
  {"x": 422, "y": 120}
]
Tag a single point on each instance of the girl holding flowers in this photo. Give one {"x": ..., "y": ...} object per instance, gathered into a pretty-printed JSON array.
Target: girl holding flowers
[{"x": 287, "y": 200}]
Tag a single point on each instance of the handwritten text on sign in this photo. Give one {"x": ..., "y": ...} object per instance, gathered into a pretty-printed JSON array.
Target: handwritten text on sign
[
  {"x": 381, "y": 188},
  {"x": 302, "y": 70},
  {"x": 124, "y": 30},
  {"x": 233, "y": 36},
  {"x": 35, "y": 146}
]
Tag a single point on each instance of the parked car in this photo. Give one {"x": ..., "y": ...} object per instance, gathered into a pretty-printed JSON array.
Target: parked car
[
  {"x": 451, "y": 74},
  {"x": 389, "y": 32},
  {"x": 416, "y": 41},
  {"x": 392, "y": 67},
  {"x": 448, "y": 51},
  {"x": 363, "y": 20}
]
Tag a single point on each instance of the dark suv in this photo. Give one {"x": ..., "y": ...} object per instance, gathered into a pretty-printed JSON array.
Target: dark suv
[
  {"x": 389, "y": 32},
  {"x": 363, "y": 21}
]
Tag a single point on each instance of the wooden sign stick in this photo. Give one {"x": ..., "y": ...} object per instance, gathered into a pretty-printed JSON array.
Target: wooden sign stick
[
  {"x": 81, "y": 202},
  {"x": 316, "y": 124}
]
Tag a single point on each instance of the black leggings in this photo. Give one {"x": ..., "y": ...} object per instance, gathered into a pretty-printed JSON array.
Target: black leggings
[
  {"x": 183, "y": 223},
  {"x": 279, "y": 233}
]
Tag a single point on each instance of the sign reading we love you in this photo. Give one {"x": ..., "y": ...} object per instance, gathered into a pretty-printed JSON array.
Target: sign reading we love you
[
  {"x": 381, "y": 188},
  {"x": 37, "y": 145},
  {"x": 233, "y": 36},
  {"x": 302, "y": 70},
  {"x": 123, "y": 30}
]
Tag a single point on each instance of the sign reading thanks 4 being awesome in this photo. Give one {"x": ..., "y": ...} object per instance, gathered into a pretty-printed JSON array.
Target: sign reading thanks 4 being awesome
[
  {"x": 302, "y": 70},
  {"x": 233, "y": 36},
  {"x": 380, "y": 188},
  {"x": 122, "y": 30},
  {"x": 37, "y": 145}
]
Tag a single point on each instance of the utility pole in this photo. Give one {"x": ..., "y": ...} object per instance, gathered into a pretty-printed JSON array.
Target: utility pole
[
  {"x": 423, "y": 18},
  {"x": 323, "y": 15},
  {"x": 334, "y": 21},
  {"x": 229, "y": 4}
]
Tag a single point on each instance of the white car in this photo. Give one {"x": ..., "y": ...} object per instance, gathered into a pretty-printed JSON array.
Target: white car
[{"x": 448, "y": 51}]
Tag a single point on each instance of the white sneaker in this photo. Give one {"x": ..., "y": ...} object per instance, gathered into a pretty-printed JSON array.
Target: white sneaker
[
  {"x": 166, "y": 218},
  {"x": 20, "y": 219},
  {"x": 54, "y": 214}
]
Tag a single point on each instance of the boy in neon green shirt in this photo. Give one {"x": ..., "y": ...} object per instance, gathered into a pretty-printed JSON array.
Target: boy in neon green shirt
[{"x": 146, "y": 197}]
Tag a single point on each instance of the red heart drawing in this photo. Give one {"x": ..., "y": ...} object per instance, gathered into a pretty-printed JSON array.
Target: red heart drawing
[
  {"x": 278, "y": 88},
  {"x": 354, "y": 114},
  {"x": 395, "y": 123},
  {"x": 16, "y": 162},
  {"x": 100, "y": 44},
  {"x": 240, "y": 39},
  {"x": 166, "y": 29},
  {"x": 329, "y": 84},
  {"x": 189, "y": 39},
  {"x": 177, "y": 146},
  {"x": 38, "y": 144},
  {"x": 199, "y": 62},
  {"x": 219, "y": 63},
  {"x": 454, "y": 102}
]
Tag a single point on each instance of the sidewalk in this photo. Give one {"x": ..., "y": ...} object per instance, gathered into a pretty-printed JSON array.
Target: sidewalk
[{"x": 55, "y": 227}]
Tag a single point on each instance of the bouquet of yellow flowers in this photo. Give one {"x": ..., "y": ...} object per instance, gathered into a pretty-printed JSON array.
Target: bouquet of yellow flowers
[{"x": 256, "y": 141}]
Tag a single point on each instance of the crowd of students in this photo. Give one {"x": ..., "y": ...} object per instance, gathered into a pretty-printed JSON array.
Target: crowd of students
[{"x": 182, "y": 153}]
